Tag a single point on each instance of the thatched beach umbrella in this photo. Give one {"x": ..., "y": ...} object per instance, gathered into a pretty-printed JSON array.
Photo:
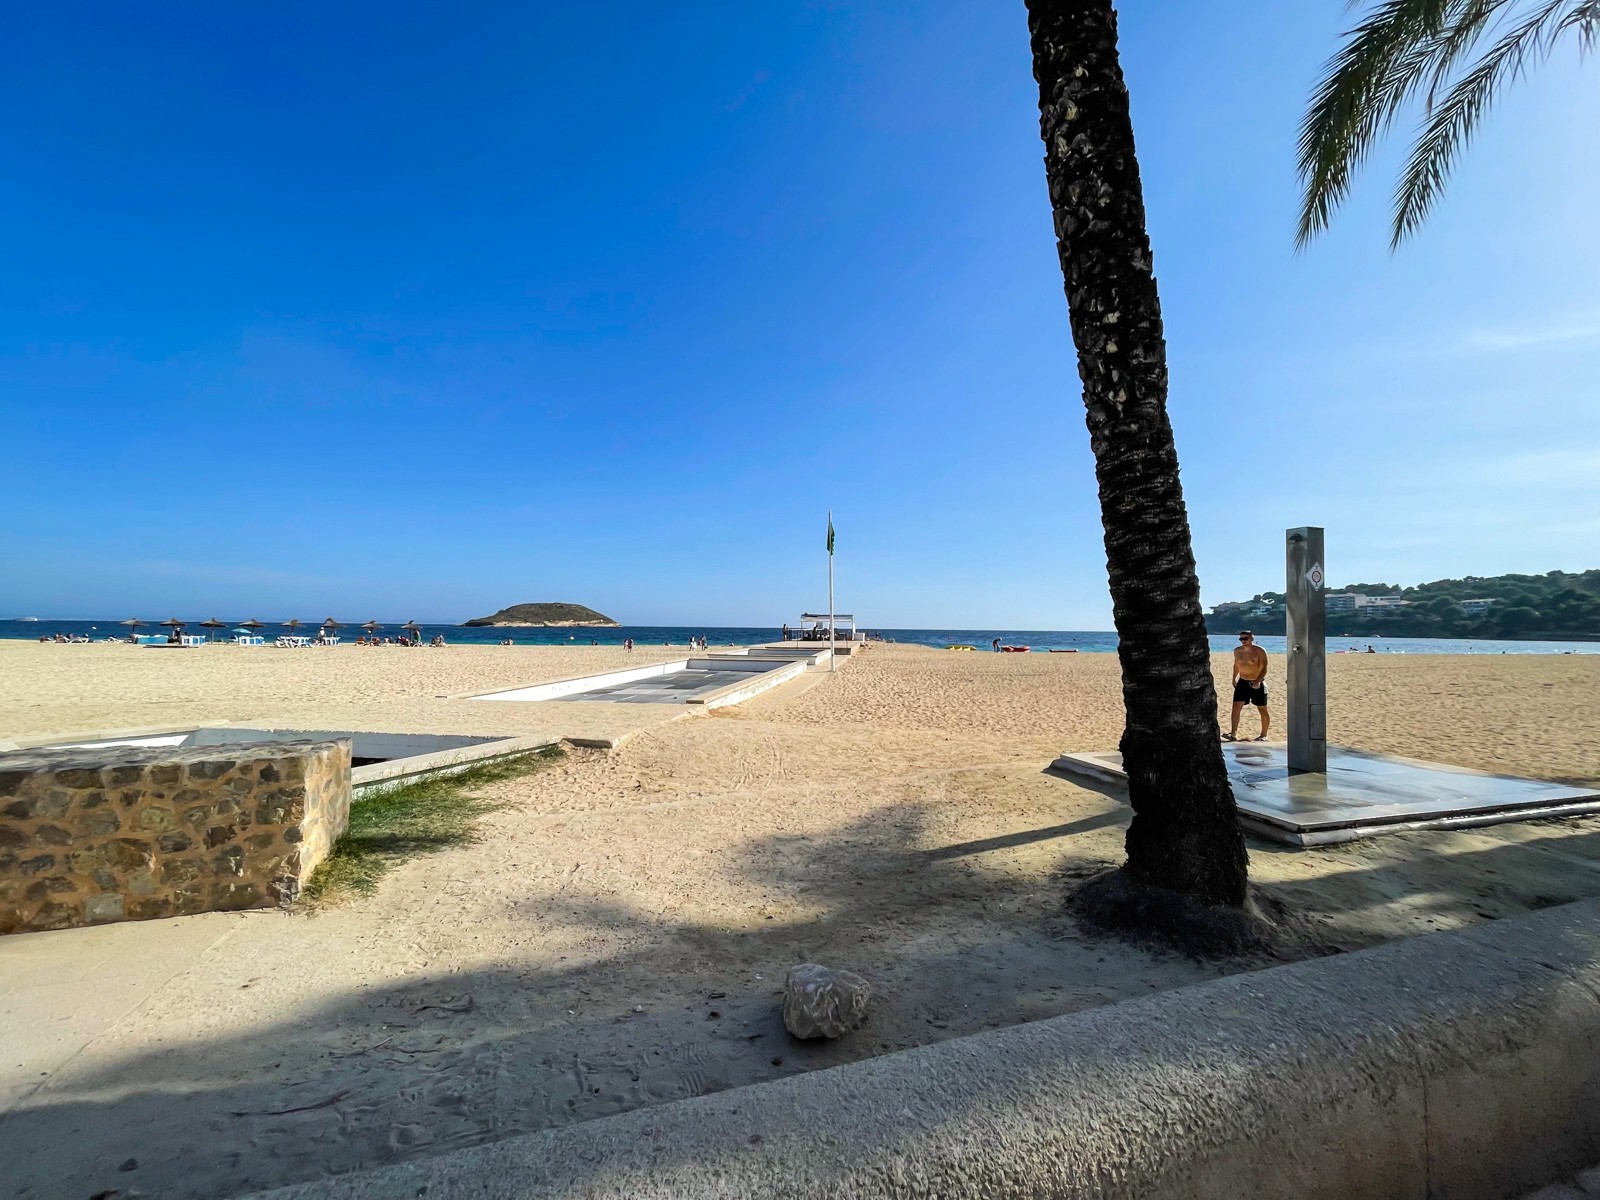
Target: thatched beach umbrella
[
  {"x": 213, "y": 624},
  {"x": 174, "y": 623},
  {"x": 330, "y": 623},
  {"x": 413, "y": 629},
  {"x": 252, "y": 623},
  {"x": 133, "y": 623},
  {"x": 369, "y": 626},
  {"x": 293, "y": 623}
]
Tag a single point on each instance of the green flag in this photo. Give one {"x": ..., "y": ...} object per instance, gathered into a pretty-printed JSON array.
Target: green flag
[{"x": 830, "y": 535}]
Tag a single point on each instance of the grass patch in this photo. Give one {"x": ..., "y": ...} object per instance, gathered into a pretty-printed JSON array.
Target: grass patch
[{"x": 416, "y": 818}]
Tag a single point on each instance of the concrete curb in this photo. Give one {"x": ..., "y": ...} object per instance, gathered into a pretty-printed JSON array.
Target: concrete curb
[
  {"x": 735, "y": 693},
  {"x": 378, "y": 778},
  {"x": 1457, "y": 1065}
]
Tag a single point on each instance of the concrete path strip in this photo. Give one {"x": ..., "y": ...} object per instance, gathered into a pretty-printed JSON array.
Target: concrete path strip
[
  {"x": 1456, "y": 1065},
  {"x": 60, "y": 991}
]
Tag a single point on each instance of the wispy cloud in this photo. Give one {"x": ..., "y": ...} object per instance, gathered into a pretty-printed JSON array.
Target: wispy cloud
[{"x": 1572, "y": 330}]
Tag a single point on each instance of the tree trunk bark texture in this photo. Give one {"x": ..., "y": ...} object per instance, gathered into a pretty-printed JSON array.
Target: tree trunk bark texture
[{"x": 1185, "y": 832}]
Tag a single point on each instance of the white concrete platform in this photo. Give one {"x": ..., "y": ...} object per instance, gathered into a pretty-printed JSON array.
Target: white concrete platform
[
  {"x": 1362, "y": 794},
  {"x": 710, "y": 681}
]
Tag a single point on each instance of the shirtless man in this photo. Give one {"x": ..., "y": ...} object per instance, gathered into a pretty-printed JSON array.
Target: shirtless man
[{"x": 1249, "y": 684}]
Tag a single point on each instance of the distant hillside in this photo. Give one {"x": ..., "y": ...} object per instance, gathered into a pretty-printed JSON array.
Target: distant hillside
[
  {"x": 1556, "y": 606},
  {"x": 544, "y": 614}
]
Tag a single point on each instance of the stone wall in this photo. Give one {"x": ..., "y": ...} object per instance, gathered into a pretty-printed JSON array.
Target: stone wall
[{"x": 121, "y": 833}]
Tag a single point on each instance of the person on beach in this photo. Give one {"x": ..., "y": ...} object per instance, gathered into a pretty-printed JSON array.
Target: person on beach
[
  {"x": 1249, "y": 684},
  {"x": 996, "y": 644}
]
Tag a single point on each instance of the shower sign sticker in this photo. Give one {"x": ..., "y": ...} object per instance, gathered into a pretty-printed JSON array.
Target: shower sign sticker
[{"x": 1314, "y": 577}]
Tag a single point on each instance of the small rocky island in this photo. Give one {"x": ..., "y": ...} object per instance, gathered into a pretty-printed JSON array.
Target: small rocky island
[{"x": 544, "y": 614}]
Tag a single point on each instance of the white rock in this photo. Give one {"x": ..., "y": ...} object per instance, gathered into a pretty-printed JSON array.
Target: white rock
[{"x": 819, "y": 1003}]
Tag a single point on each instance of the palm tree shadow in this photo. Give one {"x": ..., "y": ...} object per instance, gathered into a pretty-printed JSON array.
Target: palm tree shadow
[{"x": 957, "y": 937}]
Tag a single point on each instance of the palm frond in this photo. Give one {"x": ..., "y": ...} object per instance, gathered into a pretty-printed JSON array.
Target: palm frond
[
  {"x": 1410, "y": 50},
  {"x": 1363, "y": 88},
  {"x": 1451, "y": 122}
]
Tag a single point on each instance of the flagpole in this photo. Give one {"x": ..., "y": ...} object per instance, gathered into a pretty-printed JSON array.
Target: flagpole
[{"x": 833, "y": 651}]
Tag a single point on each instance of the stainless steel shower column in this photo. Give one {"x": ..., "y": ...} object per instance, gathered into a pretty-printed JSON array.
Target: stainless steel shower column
[{"x": 1308, "y": 661}]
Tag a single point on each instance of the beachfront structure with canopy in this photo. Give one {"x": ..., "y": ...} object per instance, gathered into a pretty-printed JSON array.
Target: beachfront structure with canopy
[{"x": 814, "y": 627}]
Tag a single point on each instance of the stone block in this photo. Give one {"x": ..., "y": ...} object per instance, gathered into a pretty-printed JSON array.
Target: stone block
[
  {"x": 54, "y": 803},
  {"x": 155, "y": 819},
  {"x": 173, "y": 871},
  {"x": 98, "y": 822},
  {"x": 235, "y": 895},
  {"x": 79, "y": 777},
  {"x": 107, "y": 906},
  {"x": 55, "y": 915},
  {"x": 149, "y": 908},
  {"x": 181, "y": 830}
]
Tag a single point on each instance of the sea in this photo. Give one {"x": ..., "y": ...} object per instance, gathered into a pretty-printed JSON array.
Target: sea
[{"x": 1086, "y": 641}]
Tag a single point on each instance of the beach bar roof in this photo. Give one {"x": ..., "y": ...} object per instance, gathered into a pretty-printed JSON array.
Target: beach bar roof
[{"x": 844, "y": 624}]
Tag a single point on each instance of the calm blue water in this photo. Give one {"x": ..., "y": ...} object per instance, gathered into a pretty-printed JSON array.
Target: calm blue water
[{"x": 679, "y": 635}]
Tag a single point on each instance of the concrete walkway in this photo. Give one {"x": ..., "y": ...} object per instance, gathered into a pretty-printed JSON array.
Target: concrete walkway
[{"x": 61, "y": 991}]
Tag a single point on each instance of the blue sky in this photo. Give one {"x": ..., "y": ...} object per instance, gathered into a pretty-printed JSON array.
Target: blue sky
[{"x": 407, "y": 311}]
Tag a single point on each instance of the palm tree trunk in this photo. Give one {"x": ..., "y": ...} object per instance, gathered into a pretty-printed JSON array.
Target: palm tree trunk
[{"x": 1185, "y": 833}]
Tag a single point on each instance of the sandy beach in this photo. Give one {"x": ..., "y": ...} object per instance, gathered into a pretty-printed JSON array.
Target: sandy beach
[{"x": 620, "y": 933}]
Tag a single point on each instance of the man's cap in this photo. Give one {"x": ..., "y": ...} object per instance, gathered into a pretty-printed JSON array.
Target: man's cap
[{"x": 1245, "y": 633}]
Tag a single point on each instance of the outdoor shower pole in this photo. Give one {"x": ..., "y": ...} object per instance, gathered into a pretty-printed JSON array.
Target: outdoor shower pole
[{"x": 1307, "y": 651}]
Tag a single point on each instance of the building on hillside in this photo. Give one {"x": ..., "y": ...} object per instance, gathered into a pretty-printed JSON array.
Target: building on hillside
[
  {"x": 1339, "y": 602},
  {"x": 1379, "y": 605},
  {"x": 1476, "y": 608}
]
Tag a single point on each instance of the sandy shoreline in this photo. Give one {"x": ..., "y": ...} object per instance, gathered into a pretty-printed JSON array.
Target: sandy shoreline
[
  {"x": 617, "y": 937},
  {"x": 1525, "y": 714}
]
